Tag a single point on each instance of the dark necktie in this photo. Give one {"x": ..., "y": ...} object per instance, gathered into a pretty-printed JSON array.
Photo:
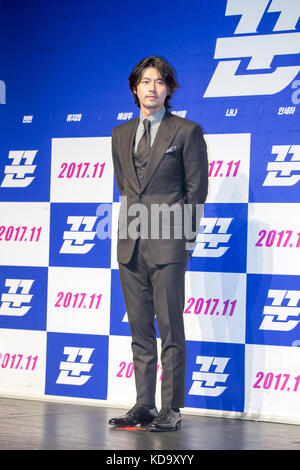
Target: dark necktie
[{"x": 144, "y": 143}]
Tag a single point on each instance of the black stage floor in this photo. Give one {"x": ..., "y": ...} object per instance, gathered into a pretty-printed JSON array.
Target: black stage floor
[{"x": 40, "y": 425}]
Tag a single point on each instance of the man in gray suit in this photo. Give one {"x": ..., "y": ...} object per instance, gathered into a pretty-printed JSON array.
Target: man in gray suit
[{"x": 161, "y": 169}]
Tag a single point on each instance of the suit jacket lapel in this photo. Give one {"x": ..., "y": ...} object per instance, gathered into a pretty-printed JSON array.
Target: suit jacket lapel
[
  {"x": 129, "y": 147},
  {"x": 164, "y": 137}
]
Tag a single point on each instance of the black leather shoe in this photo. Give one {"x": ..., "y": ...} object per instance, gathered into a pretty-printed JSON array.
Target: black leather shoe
[
  {"x": 138, "y": 415},
  {"x": 167, "y": 420}
]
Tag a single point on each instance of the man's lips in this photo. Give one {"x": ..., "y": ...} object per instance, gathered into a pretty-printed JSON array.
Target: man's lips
[{"x": 152, "y": 97}]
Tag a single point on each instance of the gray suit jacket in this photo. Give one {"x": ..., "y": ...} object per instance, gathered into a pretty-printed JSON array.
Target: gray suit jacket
[{"x": 176, "y": 174}]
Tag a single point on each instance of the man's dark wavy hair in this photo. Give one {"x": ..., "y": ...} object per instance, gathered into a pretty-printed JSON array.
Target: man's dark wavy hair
[{"x": 165, "y": 70}]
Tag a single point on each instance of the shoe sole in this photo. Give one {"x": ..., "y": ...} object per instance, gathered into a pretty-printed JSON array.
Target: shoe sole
[
  {"x": 161, "y": 429},
  {"x": 138, "y": 424}
]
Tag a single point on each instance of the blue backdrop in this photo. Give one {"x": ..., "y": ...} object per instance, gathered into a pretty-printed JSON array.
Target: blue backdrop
[{"x": 63, "y": 87}]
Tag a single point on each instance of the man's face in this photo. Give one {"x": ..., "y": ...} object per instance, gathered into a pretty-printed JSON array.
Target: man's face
[{"x": 151, "y": 91}]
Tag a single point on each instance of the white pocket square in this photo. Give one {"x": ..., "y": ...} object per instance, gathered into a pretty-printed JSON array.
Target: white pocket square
[{"x": 171, "y": 149}]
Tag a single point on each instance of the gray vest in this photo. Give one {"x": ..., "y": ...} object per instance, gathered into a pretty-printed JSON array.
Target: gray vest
[{"x": 140, "y": 166}]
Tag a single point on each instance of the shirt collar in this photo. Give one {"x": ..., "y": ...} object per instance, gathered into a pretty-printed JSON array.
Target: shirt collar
[{"x": 156, "y": 117}]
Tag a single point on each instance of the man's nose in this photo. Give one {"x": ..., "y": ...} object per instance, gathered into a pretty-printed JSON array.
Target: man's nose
[{"x": 152, "y": 86}]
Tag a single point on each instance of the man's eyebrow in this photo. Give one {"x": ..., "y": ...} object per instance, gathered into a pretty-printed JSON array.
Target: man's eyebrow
[{"x": 156, "y": 79}]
